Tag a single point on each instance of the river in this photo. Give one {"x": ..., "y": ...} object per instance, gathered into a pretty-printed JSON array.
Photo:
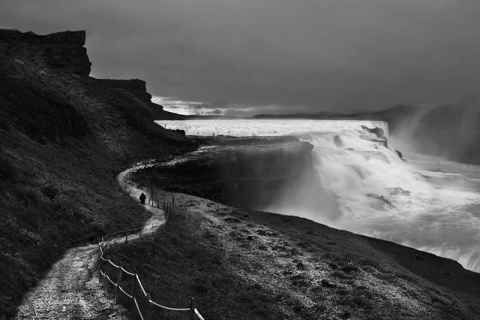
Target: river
[{"x": 364, "y": 186}]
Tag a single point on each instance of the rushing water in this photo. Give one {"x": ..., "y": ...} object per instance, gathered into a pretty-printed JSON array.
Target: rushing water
[{"x": 426, "y": 203}]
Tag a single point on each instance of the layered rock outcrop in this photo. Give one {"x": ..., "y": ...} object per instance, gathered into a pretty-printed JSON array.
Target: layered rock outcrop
[
  {"x": 61, "y": 50},
  {"x": 249, "y": 172}
]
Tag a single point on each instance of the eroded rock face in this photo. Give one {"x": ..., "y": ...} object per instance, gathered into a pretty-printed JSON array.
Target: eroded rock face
[
  {"x": 246, "y": 162},
  {"x": 377, "y": 131},
  {"x": 61, "y": 50},
  {"x": 249, "y": 172},
  {"x": 135, "y": 86}
]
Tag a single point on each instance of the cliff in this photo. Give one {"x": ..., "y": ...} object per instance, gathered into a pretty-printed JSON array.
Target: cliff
[
  {"x": 247, "y": 172},
  {"x": 63, "y": 138},
  {"x": 62, "y": 50},
  {"x": 137, "y": 89},
  {"x": 447, "y": 129}
]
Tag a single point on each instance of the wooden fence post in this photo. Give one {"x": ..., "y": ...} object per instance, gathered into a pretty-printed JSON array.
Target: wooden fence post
[
  {"x": 105, "y": 279},
  {"x": 132, "y": 307},
  {"x": 119, "y": 282},
  {"x": 99, "y": 266},
  {"x": 192, "y": 309}
]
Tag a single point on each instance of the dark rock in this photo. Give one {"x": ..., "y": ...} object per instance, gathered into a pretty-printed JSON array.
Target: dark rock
[
  {"x": 135, "y": 86},
  {"x": 61, "y": 50},
  {"x": 382, "y": 142},
  {"x": 377, "y": 131},
  {"x": 180, "y": 132},
  {"x": 400, "y": 155},
  {"x": 338, "y": 141},
  {"x": 249, "y": 171}
]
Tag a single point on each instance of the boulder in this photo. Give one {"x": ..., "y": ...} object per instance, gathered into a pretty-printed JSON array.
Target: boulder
[{"x": 377, "y": 131}]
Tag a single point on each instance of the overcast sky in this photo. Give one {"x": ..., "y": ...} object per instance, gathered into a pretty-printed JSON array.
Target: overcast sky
[{"x": 274, "y": 55}]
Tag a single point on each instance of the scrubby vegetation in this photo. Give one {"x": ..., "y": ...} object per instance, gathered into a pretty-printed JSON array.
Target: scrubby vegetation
[
  {"x": 63, "y": 139},
  {"x": 52, "y": 198},
  {"x": 253, "y": 265}
]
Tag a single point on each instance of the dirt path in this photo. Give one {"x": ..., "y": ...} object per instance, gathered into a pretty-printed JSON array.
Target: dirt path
[{"x": 71, "y": 289}]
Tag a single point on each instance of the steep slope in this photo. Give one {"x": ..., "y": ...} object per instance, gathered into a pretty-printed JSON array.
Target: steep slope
[
  {"x": 244, "y": 264},
  {"x": 63, "y": 138}
]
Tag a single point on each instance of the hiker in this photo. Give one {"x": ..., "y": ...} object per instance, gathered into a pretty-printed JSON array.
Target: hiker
[{"x": 143, "y": 197}]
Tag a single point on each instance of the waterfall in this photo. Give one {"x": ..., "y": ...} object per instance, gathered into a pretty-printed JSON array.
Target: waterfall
[{"x": 377, "y": 193}]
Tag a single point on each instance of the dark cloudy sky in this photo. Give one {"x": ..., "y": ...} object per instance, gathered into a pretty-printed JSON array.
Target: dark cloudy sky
[{"x": 274, "y": 55}]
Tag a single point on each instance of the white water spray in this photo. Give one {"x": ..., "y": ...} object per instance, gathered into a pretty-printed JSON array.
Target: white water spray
[{"x": 378, "y": 194}]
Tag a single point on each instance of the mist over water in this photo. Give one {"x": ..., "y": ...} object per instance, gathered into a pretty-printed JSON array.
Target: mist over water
[{"x": 426, "y": 203}]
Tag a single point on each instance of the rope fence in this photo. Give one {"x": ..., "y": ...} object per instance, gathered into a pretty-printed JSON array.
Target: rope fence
[{"x": 126, "y": 286}]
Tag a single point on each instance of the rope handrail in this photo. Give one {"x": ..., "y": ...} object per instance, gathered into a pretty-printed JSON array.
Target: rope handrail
[
  {"x": 111, "y": 281},
  {"x": 168, "y": 308},
  {"x": 124, "y": 292},
  {"x": 113, "y": 264},
  {"x": 198, "y": 314},
  {"x": 140, "y": 284},
  {"x": 127, "y": 272},
  {"x": 104, "y": 245}
]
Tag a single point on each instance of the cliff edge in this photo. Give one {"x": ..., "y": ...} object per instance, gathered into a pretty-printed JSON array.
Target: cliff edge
[{"x": 63, "y": 138}]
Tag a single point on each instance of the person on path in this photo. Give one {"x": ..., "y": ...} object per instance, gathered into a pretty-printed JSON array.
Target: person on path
[{"x": 143, "y": 197}]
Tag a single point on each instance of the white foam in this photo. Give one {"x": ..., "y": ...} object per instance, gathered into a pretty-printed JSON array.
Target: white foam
[{"x": 378, "y": 193}]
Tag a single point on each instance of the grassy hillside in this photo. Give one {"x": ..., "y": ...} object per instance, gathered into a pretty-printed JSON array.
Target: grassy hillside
[
  {"x": 242, "y": 264},
  {"x": 63, "y": 139}
]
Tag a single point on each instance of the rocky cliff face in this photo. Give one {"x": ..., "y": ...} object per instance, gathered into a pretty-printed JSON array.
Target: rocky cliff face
[
  {"x": 249, "y": 172},
  {"x": 62, "y": 50},
  {"x": 137, "y": 89},
  {"x": 135, "y": 86},
  {"x": 46, "y": 91}
]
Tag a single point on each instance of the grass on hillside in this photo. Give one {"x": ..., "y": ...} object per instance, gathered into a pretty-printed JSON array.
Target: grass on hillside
[
  {"x": 53, "y": 197},
  {"x": 252, "y": 265}
]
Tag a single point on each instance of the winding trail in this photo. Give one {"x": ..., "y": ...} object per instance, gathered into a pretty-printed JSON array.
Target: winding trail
[{"x": 71, "y": 288}]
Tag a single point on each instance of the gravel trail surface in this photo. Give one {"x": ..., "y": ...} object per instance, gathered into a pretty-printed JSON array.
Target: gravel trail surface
[{"x": 71, "y": 288}]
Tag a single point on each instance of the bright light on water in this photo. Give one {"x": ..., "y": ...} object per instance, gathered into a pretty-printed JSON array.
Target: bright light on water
[{"x": 425, "y": 203}]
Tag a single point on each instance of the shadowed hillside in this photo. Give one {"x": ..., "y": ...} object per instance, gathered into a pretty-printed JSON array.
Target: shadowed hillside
[{"x": 63, "y": 138}]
